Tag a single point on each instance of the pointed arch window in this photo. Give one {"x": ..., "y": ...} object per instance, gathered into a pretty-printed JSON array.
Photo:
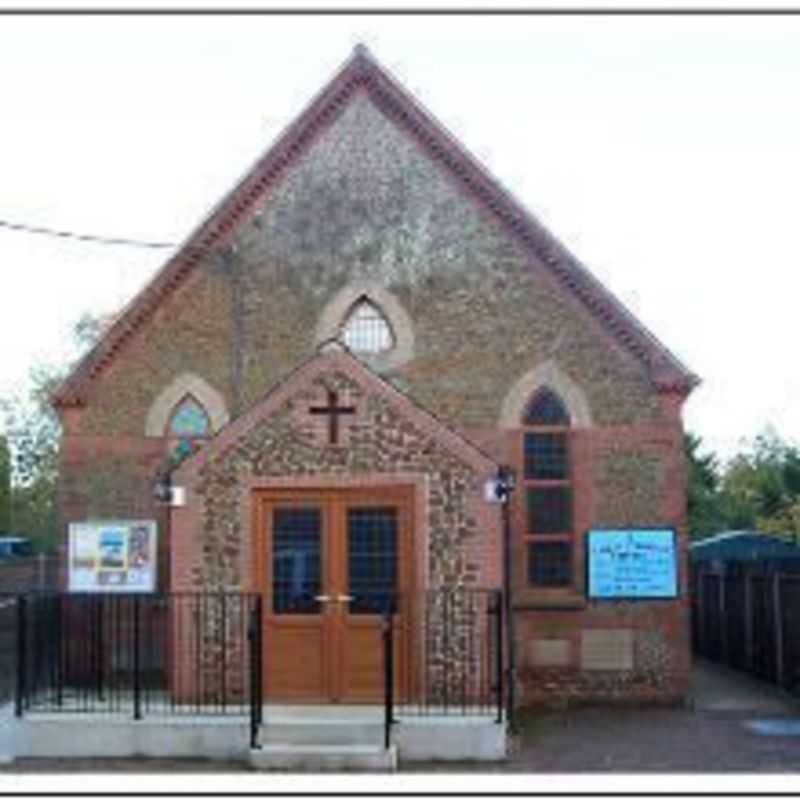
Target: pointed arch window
[
  {"x": 189, "y": 420},
  {"x": 188, "y": 427},
  {"x": 547, "y": 483},
  {"x": 366, "y": 330},
  {"x": 546, "y": 408}
]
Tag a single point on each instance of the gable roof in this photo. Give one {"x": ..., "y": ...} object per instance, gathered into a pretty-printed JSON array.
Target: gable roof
[
  {"x": 330, "y": 357},
  {"x": 361, "y": 73}
]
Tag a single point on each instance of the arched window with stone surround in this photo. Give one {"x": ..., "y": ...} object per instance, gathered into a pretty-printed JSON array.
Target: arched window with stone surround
[
  {"x": 189, "y": 420},
  {"x": 188, "y": 427},
  {"x": 366, "y": 330},
  {"x": 184, "y": 393},
  {"x": 547, "y": 491}
]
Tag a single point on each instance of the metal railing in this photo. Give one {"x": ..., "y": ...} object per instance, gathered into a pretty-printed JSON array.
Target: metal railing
[
  {"x": 443, "y": 655},
  {"x": 194, "y": 653},
  {"x": 139, "y": 654},
  {"x": 388, "y": 677},
  {"x": 255, "y": 634}
]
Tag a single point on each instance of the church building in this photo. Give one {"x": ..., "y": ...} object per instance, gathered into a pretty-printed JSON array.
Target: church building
[{"x": 332, "y": 371}]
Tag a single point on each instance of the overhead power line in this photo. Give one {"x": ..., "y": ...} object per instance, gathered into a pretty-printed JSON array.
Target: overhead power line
[{"x": 82, "y": 237}]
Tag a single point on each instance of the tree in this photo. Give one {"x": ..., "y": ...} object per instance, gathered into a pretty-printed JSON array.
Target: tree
[
  {"x": 703, "y": 484},
  {"x": 5, "y": 486},
  {"x": 89, "y": 328},
  {"x": 758, "y": 489},
  {"x": 33, "y": 433}
]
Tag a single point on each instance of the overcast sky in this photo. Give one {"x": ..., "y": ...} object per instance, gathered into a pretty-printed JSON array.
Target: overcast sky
[{"x": 663, "y": 151}]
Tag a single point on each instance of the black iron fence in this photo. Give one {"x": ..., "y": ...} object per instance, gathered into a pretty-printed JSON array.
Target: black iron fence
[
  {"x": 748, "y": 617},
  {"x": 139, "y": 654},
  {"x": 447, "y": 653},
  {"x": 8, "y": 647}
]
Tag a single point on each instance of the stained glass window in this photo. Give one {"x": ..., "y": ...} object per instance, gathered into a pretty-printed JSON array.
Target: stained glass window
[
  {"x": 550, "y": 564},
  {"x": 546, "y": 456},
  {"x": 366, "y": 329},
  {"x": 549, "y": 509},
  {"x": 546, "y": 408},
  {"x": 547, "y": 483},
  {"x": 189, "y": 420}
]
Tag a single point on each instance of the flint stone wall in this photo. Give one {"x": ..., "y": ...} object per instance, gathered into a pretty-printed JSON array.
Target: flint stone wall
[
  {"x": 380, "y": 441},
  {"x": 366, "y": 205}
]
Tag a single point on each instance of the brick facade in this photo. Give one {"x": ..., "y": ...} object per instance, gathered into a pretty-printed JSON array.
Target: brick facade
[{"x": 362, "y": 202}]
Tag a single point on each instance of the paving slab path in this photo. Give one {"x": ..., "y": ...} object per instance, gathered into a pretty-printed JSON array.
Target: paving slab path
[
  {"x": 712, "y": 734},
  {"x": 718, "y": 688}
]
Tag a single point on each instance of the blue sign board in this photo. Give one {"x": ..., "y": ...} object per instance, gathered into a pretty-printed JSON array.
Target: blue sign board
[{"x": 632, "y": 563}]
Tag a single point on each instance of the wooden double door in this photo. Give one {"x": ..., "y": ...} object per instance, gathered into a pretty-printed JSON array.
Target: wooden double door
[{"x": 329, "y": 564}]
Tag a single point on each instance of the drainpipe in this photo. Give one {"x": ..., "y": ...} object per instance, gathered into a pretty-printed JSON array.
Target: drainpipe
[
  {"x": 168, "y": 496},
  {"x": 231, "y": 263},
  {"x": 506, "y": 481}
]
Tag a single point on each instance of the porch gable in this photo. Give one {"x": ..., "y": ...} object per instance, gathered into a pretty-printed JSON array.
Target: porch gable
[{"x": 384, "y": 440}]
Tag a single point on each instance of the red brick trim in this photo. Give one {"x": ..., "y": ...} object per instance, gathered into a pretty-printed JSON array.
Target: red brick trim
[{"x": 363, "y": 73}]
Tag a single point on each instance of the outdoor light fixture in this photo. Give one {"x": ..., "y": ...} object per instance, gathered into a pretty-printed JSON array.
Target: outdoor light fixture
[
  {"x": 162, "y": 488},
  {"x": 499, "y": 488},
  {"x": 505, "y": 483},
  {"x": 165, "y": 492}
]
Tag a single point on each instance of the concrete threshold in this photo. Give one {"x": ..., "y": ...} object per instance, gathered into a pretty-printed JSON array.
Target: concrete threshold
[
  {"x": 324, "y": 757},
  {"x": 343, "y": 737}
]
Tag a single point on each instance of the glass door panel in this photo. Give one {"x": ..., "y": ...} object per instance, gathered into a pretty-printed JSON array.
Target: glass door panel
[
  {"x": 296, "y": 560},
  {"x": 372, "y": 559}
]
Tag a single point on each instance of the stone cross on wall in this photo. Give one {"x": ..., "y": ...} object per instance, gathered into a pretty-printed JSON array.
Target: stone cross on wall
[{"x": 333, "y": 411}]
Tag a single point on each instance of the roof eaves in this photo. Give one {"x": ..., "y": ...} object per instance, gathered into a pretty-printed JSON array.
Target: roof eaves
[
  {"x": 667, "y": 372},
  {"x": 200, "y": 243}
]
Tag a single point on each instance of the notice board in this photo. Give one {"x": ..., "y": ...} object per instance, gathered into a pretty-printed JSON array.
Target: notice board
[
  {"x": 635, "y": 563},
  {"x": 113, "y": 556}
]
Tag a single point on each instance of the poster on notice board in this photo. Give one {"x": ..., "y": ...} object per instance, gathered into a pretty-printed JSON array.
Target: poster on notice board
[
  {"x": 113, "y": 556},
  {"x": 633, "y": 563}
]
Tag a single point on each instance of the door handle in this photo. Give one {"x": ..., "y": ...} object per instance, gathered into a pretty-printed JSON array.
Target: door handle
[{"x": 322, "y": 598}]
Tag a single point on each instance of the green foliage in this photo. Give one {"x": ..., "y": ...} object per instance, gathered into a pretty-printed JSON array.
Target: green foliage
[
  {"x": 33, "y": 429},
  {"x": 88, "y": 329},
  {"x": 759, "y": 489},
  {"x": 702, "y": 488},
  {"x": 32, "y": 434},
  {"x": 5, "y": 485}
]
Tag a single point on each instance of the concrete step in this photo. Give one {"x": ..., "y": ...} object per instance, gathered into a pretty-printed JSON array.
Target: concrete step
[
  {"x": 321, "y": 757},
  {"x": 322, "y": 730}
]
